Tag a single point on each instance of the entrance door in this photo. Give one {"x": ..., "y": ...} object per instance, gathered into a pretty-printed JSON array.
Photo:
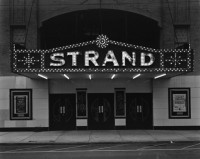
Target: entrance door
[
  {"x": 62, "y": 111},
  {"x": 139, "y": 111},
  {"x": 100, "y": 108}
]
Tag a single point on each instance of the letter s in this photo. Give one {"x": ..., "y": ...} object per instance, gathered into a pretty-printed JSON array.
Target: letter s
[{"x": 59, "y": 61}]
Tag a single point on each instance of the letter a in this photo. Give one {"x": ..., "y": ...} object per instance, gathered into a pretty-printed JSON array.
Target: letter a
[{"x": 110, "y": 57}]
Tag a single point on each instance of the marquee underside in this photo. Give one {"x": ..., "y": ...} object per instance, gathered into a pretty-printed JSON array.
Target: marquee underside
[{"x": 96, "y": 76}]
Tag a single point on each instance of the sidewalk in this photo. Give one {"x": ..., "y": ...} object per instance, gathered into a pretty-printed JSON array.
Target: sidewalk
[{"x": 99, "y": 136}]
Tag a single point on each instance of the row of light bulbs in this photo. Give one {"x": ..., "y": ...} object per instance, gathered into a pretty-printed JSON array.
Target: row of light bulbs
[
  {"x": 103, "y": 70},
  {"x": 117, "y": 43},
  {"x": 94, "y": 41},
  {"x": 43, "y": 69}
]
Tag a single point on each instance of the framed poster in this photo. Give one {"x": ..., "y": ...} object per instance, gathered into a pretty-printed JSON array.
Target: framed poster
[
  {"x": 179, "y": 103},
  {"x": 81, "y": 103},
  {"x": 120, "y": 102},
  {"x": 20, "y": 104}
]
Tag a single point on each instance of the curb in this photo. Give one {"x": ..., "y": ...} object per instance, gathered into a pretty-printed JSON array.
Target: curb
[{"x": 78, "y": 143}]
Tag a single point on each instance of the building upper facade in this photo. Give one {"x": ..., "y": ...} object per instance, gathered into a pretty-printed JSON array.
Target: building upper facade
[{"x": 45, "y": 24}]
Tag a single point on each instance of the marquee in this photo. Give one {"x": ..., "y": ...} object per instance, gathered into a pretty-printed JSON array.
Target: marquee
[{"x": 102, "y": 55}]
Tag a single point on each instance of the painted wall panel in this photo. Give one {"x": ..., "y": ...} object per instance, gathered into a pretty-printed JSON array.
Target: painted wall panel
[
  {"x": 160, "y": 100},
  {"x": 40, "y": 101}
]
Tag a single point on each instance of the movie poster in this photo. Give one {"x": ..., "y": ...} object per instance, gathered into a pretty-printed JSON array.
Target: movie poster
[
  {"x": 179, "y": 103},
  {"x": 20, "y": 104}
]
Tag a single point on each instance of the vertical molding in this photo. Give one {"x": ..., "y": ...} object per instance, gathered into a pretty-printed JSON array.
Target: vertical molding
[
  {"x": 182, "y": 23},
  {"x": 17, "y": 22},
  {"x": 37, "y": 21},
  {"x": 182, "y": 12},
  {"x": 17, "y": 12}
]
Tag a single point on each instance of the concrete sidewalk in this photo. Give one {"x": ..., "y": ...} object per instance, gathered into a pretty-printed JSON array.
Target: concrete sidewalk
[{"x": 100, "y": 136}]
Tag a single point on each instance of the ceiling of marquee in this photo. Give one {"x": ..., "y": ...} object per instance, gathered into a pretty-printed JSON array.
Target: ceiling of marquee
[{"x": 96, "y": 76}]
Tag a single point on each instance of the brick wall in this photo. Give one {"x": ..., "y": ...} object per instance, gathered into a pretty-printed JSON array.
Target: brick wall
[
  {"x": 6, "y": 22},
  {"x": 4, "y": 37},
  {"x": 195, "y": 32}
]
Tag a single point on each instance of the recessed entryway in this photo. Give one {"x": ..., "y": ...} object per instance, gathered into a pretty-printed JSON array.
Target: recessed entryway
[
  {"x": 139, "y": 111},
  {"x": 100, "y": 111},
  {"x": 62, "y": 115}
]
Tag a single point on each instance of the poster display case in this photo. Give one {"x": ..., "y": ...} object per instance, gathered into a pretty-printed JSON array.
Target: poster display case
[
  {"x": 179, "y": 103},
  {"x": 20, "y": 104}
]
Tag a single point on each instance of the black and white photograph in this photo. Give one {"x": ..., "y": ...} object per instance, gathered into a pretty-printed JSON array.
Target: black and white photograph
[{"x": 106, "y": 79}]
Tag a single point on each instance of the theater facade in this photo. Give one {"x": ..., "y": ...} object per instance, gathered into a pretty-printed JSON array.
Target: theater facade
[{"x": 92, "y": 68}]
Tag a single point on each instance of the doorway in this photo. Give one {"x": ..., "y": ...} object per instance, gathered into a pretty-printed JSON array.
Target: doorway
[
  {"x": 100, "y": 111},
  {"x": 139, "y": 111},
  {"x": 62, "y": 111}
]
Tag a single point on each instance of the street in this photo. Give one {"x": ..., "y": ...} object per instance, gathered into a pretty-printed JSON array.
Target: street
[{"x": 142, "y": 150}]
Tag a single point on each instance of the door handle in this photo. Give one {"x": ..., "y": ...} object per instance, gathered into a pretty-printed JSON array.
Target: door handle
[
  {"x": 140, "y": 108},
  {"x": 101, "y": 109},
  {"x": 63, "y": 109}
]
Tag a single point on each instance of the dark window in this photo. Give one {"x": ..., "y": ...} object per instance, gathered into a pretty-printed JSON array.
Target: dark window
[{"x": 86, "y": 25}]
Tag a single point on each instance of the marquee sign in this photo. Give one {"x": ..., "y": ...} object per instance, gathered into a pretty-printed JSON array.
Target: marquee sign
[{"x": 102, "y": 55}]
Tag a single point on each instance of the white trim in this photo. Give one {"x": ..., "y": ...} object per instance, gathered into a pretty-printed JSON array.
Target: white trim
[
  {"x": 120, "y": 122},
  {"x": 81, "y": 122}
]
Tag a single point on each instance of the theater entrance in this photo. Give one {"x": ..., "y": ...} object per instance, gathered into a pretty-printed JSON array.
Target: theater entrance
[
  {"x": 62, "y": 111},
  {"x": 139, "y": 111},
  {"x": 100, "y": 111}
]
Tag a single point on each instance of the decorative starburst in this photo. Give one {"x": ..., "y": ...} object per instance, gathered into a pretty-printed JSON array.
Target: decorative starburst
[
  {"x": 102, "y": 41},
  {"x": 175, "y": 60},
  {"x": 29, "y": 60}
]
